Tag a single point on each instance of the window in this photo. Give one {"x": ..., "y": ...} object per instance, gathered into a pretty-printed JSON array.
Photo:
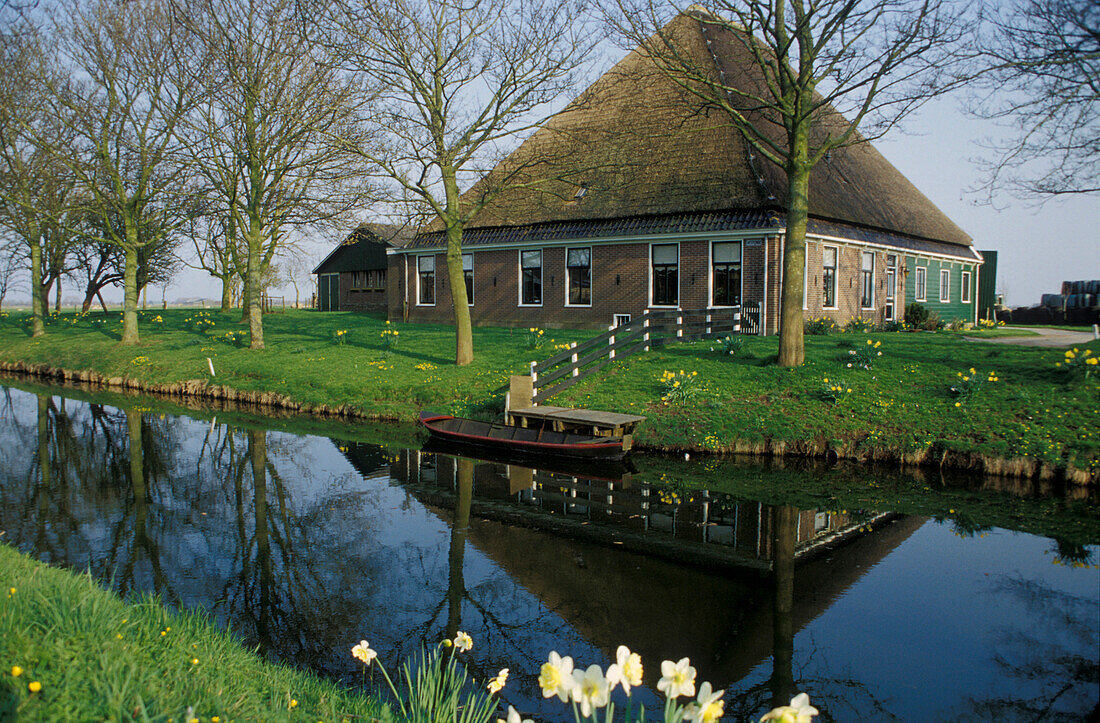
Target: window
[
  {"x": 964, "y": 295},
  {"x": 425, "y": 290},
  {"x": 725, "y": 259},
  {"x": 530, "y": 266},
  {"x": 578, "y": 272},
  {"x": 867, "y": 281},
  {"x": 468, "y": 277},
  {"x": 377, "y": 279},
  {"x": 620, "y": 320},
  {"x": 891, "y": 285},
  {"x": 945, "y": 285},
  {"x": 665, "y": 260},
  {"x": 359, "y": 280},
  {"x": 829, "y": 256},
  {"x": 920, "y": 286}
]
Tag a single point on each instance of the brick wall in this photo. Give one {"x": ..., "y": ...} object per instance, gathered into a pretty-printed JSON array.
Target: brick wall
[{"x": 360, "y": 300}]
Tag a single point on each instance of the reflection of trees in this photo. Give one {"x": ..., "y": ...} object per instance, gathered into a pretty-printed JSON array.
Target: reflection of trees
[{"x": 1052, "y": 678}]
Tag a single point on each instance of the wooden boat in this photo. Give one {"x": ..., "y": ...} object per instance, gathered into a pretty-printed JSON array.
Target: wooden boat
[
  {"x": 604, "y": 470},
  {"x": 526, "y": 440}
]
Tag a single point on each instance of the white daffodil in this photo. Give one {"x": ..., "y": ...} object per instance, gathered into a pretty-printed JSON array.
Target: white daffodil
[
  {"x": 497, "y": 683},
  {"x": 463, "y": 642},
  {"x": 556, "y": 677},
  {"x": 363, "y": 652},
  {"x": 677, "y": 678},
  {"x": 590, "y": 689},
  {"x": 514, "y": 717},
  {"x": 626, "y": 670},
  {"x": 708, "y": 707},
  {"x": 799, "y": 711}
]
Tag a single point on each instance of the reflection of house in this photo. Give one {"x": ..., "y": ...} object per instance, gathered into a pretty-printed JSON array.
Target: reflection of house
[
  {"x": 353, "y": 276},
  {"x": 644, "y": 202}
]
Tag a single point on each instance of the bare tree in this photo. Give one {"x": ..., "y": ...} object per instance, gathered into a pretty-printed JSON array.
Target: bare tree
[
  {"x": 269, "y": 136},
  {"x": 1041, "y": 78},
  {"x": 124, "y": 111},
  {"x": 217, "y": 252},
  {"x": 816, "y": 73},
  {"x": 459, "y": 81},
  {"x": 10, "y": 263}
]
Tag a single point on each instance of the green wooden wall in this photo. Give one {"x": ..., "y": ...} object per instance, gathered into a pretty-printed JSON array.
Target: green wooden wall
[{"x": 952, "y": 309}]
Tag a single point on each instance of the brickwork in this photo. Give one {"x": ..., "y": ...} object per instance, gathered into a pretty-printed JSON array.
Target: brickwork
[{"x": 360, "y": 299}]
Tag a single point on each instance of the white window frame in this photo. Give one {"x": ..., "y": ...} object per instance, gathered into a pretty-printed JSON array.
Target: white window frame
[
  {"x": 519, "y": 277},
  {"x": 590, "y": 277},
  {"x": 473, "y": 278},
  {"x": 435, "y": 284},
  {"x": 836, "y": 278},
  {"x": 862, "y": 256},
  {"x": 678, "y": 289},
  {"x": 964, "y": 288},
  {"x": 805, "y": 277},
  {"x": 710, "y": 276},
  {"x": 945, "y": 286},
  {"x": 920, "y": 287}
]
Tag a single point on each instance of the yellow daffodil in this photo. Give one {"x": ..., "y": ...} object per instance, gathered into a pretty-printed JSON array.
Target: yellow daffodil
[
  {"x": 463, "y": 642},
  {"x": 590, "y": 689},
  {"x": 293, "y": 703},
  {"x": 799, "y": 711},
  {"x": 497, "y": 683},
  {"x": 16, "y": 671},
  {"x": 34, "y": 686},
  {"x": 363, "y": 652},
  {"x": 556, "y": 677},
  {"x": 677, "y": 679}
]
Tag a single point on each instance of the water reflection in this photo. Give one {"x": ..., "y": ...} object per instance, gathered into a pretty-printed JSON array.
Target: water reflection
[{"x": 303, "y": 546}]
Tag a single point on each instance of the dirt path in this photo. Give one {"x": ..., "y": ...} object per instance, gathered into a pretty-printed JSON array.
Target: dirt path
[{"x": 1046, "y": 337}]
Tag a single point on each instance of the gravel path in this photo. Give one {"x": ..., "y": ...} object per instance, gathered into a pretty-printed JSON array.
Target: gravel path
[{"x": 1047, "y": 337}]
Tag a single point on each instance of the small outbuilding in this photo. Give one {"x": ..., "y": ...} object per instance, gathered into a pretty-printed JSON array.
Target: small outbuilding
[{"x": 353, "y": 276}]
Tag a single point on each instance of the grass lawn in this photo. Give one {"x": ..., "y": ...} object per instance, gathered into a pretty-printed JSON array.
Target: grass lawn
[
  {"x": 93, "y": 657},
  {"x": 903, "y": 405}
]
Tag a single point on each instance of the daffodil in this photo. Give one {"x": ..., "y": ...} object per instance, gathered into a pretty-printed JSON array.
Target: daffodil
[
  {"x": 363, "y": 652},
  {"x": 590, "y": 689},
  {"x": 514, "y": 717},
  {"x": 463, "y": 642},
  {"x": 16, "y": 671},
  {"x": 626, "y": 670},
  {"x": 799, "y": 711},
  {"x": 556, "y": 677},
  {"x": 497, "y": 683},
  {"x": 708, "y": 707},
  {"x": 34, "y": 686},
  {"x": 677, "y": 679}
]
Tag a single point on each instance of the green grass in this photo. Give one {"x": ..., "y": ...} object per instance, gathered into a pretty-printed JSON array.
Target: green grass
[
  {"x": 904, "y": 405},
  {"x": 995, "y": 333},
  {"x": 98, "y": 658}
]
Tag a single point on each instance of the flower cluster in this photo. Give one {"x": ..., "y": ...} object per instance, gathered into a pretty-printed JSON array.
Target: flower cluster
[
  {"x": 678, "y": 386},
  {"x": 561, "y": 347},
  {"x": 140, "y": 361},
  {"x": 236, "y": 338},
  {"x": 859, "y": 325},
  {"x": 1080, "y": 361},
  {"x": 835, "y": 390},
  {"x": 425, "y": 367},
  {"x": 199, "y": 322},
  {"x": 731, "y": 345},
  {"x": 389, "y": 336},
  {"x": 340, "y": 337},
  {"x": 820, "y": 326},
  {"x": 863, "y": 356},
  {"x": 534, "y": 337},
  {"x": 988, "y": 324},
  {"x": 969, "y": 383}
]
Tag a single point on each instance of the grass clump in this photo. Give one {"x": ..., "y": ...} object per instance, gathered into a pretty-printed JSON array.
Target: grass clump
[{"x": 94, "y": 657}]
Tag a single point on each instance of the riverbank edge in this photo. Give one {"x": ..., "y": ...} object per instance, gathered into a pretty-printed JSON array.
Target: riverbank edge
[
  {"x": 936, "y": 455},
  {"x": 174, "y": 663}
]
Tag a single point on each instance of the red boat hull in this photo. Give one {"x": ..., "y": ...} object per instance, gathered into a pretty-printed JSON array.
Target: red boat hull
[{"x": 457, "y": 430}]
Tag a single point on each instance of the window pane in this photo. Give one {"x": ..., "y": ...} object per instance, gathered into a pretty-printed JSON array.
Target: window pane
[
  {"x": 579, "y": 257},
  {"x": 727, "y": 252},
  {"x": 531, "y": 259},
  {"x": 665, "y": 254},
  {"x": 829, "y": 257},
  {"x": 868, "y": 261},
  {"x": 467, "y": 262},
  {"x": 425, "y": 263},
  {"x": 580, "y": 286}
]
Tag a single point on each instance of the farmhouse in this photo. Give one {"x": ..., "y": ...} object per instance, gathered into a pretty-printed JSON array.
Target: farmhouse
[
  {"x": 353, "y": 276},
  {"x": 635, "y": 198}
]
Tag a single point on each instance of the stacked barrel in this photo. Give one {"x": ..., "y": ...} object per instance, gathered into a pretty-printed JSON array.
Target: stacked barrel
[{"x": 1079, "y": 303}]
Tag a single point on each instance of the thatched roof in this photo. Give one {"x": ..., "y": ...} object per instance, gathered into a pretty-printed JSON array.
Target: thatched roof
[{"x": 639, "y": 145}]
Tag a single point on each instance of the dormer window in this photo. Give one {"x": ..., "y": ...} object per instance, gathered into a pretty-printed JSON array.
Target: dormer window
[{"x": 581, "y": 191}]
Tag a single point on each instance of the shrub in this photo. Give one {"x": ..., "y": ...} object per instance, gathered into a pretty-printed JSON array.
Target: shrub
[
  {"x": 933, "y": 322},
  {"x": 960, "y": 325},
  {"x": 970, "y": 383},
  {"x": 915, "y": 315},
  {"x": 859, "y": 325},
  {"x": 895, "y": 326},
  {"x": 864, "y": 355},
  {"x": 731, "y": 345},
  {"x": 820, "y": 326},
  {"x": 678, "y": 387}
]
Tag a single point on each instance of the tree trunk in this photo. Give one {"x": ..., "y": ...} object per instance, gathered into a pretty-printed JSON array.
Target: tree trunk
[
  {"x": 460, "y": 527},
  {"x": 227, "y": 294},
  {"x": 791, "y": 348},
  {"x": 57, "y": 296},
  {"x": 38, "y": 307},
  {"x": 89, "y": 296},
  {"x": 255, "y": 311},
  {"x": 464, "y": 336},
  {"x": 246, "y": 296},
  {"x": 130, "y": 297}
]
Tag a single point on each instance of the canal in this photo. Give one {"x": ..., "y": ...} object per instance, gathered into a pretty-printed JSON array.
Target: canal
[{"x": 882, "y": 594}]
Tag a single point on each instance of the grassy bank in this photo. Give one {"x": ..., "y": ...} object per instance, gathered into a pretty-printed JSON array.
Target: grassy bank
[
  {"x": 1023, "y": 408},
  {"x": 83, "y": 654}
]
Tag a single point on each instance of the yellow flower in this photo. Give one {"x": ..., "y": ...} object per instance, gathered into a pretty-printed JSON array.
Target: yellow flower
[
  {"x": 363, "y": 652},
  {"x": 626, "y": 670},
  {"x": 556, "y": 677},
  {"x": 799, "y": 711},
  {"x": 463, "y": 642},
  {"x": 34, "y": 686},
  {"x": 16, "y": 671},
  {"x": 194, "y": 661},
  {"x": 708, "y": 707},
  {"x": 497, "y": 683},
  {"x": 293, "y": 703},
  {"x": 958, "y": 404}
]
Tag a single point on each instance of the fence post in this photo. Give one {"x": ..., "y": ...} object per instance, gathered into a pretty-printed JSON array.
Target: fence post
[
  {"x": 737, "y": 321},
  {"x": 708, "y": 323},
  {"x": 611, "y": 342},
  {"x": 534, "y": 374},
  {"x": 679, "y": 324},
  {"x": 574, "y": 359},
  {"x": 645, "y": 336}
]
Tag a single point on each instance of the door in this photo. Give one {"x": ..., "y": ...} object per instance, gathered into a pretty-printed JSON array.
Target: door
[
  {"x": 891, "y": 286},
  {"x": 329, "y": 292}
]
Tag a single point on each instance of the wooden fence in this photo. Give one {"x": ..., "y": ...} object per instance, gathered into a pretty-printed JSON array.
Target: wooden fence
[{"x": 653, "y": 328}]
